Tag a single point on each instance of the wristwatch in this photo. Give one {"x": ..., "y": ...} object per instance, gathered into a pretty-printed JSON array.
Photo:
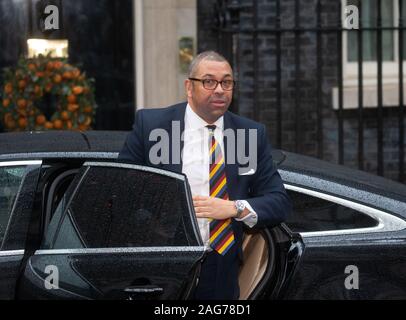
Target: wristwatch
[{"x": 240, "y": 206}]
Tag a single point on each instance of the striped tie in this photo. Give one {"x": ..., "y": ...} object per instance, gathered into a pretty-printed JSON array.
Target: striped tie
[{"x": 221, "y": 231}]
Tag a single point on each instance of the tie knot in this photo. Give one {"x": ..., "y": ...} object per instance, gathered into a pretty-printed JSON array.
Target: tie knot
[{"x": 211, "y": 127}]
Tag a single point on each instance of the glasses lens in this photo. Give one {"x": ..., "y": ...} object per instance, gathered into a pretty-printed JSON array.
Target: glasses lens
[
  {"x": 227, "y": 84},
  {"x": 209, "y": 84}
]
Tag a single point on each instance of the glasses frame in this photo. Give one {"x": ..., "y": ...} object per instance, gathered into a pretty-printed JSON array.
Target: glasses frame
[{"x": 217, "y": 83}]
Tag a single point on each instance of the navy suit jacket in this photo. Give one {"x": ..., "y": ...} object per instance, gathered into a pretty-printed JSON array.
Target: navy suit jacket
[{"x": 263, "y": 190}]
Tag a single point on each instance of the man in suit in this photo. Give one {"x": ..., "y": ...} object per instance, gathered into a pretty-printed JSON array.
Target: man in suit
[{"x": 229, "y": 190}]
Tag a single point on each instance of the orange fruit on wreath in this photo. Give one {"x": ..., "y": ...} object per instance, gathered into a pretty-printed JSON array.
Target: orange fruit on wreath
[
  {"x": 50, "y": 65},
  {"x": 22, "y": 84},
  {"x": 37, "y": 90},
  {"x": 73, "y": 107},
  {"x": 58, "y": 64},
  {"x": 11, "y": 124},
  {"x": 82, "y": 127},
  {"x": 49, "y": 125},
  {"x": 67, "y": 75},
  {"x": 32, "y": 67},
  {"x": 76, "y": 73},
  {"x": 65, "y": 115},
  {"x": 6, "y": 103},
  {"x": 8, "y": 88},
  {"x": 22, "y": 103},
  {"x": 57, "y": 78},
  {"x": 40, "y": 119},
  {"x": 71, "y": 98},
  {"x": 88, "y": 109},
  {"x": 57, "y": 124},
  {"x": 22, "y": 122},
  {"x": 77, "y": 90}
]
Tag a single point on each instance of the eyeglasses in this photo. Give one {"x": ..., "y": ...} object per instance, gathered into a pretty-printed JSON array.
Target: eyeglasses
[{"x": 211, "y": 84}]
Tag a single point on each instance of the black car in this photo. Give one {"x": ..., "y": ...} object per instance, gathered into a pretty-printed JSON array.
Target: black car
[{"x": 77, "y": 224}]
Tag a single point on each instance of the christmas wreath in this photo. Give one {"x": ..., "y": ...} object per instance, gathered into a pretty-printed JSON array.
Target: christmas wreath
[{"x": 33, "y": 83}]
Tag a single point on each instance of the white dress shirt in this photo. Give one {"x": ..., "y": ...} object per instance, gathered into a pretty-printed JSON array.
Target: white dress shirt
[{"x": 195, "y": 159}]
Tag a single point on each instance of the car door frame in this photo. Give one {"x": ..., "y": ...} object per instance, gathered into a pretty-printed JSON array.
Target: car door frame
[
  {"x": 13, "y": 246},
  {"x": 196, "y": 252}
]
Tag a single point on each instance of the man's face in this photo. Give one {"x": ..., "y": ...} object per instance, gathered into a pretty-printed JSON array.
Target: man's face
[{"x": 210, "y": 104}]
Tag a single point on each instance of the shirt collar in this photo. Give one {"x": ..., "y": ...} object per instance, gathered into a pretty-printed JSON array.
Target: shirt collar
[{"x": 193, "y": 121}]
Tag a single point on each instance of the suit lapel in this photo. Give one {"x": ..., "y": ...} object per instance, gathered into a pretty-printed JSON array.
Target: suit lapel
[
  {"x": 231, "y": 164},
  {"x": 175, "y": 129}
]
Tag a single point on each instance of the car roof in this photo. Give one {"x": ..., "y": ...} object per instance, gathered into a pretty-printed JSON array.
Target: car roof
[
  {"x": 325, "y": 170},
  {"x": 61, "y": 141}
]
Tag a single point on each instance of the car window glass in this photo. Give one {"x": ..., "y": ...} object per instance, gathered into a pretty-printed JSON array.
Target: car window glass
[
  {"x": 67, "y": 236},
  {"x": 10, "y": 182},
  {"x": 115, "y": 207},
  {"x": 314, "y": 214},
  {"x": 55, "y": 222}
]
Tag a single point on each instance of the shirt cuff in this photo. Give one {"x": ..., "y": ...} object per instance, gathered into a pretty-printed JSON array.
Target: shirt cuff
[{"x": 251, "y": 218}]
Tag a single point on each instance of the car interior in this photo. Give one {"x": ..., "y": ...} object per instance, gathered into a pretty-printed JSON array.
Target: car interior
[
  {"x": 258, "y": 247},
  {"x": 256, "y": 257}
]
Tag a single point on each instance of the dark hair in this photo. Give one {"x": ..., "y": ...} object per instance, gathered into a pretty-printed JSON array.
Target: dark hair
[{"x": 206, "y": 55}]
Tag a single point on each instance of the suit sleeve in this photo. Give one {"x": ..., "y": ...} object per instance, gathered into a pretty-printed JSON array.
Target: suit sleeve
[
  {"x": 268, "y": 195},
  {"x": 133, "y": 150}
]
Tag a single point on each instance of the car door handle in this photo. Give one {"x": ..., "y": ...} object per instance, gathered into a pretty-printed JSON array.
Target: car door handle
[{"x": 144, "y": 289}]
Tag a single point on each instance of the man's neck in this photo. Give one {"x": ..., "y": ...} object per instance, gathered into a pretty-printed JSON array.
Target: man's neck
[{"x": 209, "y": 121}]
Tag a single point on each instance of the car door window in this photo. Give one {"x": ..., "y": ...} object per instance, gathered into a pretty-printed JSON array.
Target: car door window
[
  {"x": 10, "y": 182},
  {"x": 312, "y": 214},
  {"x": 117, "y": 207}
]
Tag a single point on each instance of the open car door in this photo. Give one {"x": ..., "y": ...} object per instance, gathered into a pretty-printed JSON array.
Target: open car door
[{"x": 120, "y": 232}]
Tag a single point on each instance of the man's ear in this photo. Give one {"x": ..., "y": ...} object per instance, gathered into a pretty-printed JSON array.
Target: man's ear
[{"x": 188, "y": 88}]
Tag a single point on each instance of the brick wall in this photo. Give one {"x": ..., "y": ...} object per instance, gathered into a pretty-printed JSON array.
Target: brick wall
[{"x": 306, "y": 122}]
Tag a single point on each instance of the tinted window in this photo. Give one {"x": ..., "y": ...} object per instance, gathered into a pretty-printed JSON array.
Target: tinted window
[
  {"x": 314, "y": 214},
  {"x": 116, "y": 207},
  {"x": 63, "y": 226},
  {"x": 10, "y": 181}
]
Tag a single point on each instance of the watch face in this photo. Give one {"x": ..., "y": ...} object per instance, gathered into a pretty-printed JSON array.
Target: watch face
[{"x": 240, "y": 205}]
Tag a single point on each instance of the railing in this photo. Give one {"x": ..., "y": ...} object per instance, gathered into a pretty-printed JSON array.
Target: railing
[{"x": 281, "y": 31}]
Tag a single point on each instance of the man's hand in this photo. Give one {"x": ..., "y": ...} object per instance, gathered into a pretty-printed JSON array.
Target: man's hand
[{"x": 214, "y": 208}]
